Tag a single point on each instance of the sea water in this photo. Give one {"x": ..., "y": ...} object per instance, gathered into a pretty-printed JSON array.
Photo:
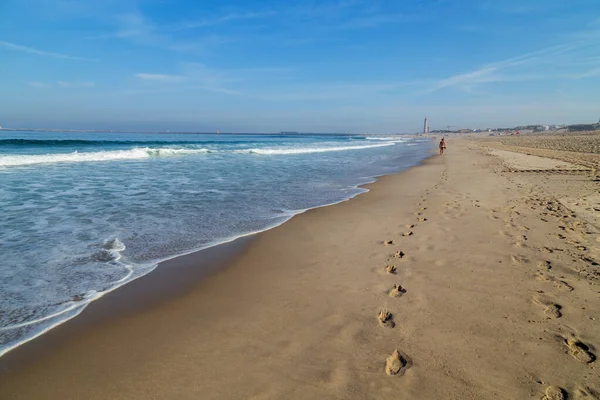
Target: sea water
[{"x": 84, "y": 213}]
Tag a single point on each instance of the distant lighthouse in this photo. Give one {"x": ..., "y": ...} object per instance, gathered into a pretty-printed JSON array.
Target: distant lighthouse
[{"x": 426, "y": 126}]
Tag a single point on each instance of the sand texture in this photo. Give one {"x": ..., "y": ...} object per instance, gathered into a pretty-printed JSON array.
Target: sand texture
[{"x": 494, "y": 294}]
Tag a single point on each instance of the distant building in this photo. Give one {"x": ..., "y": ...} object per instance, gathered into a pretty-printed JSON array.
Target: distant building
[{"x": 426, "y": 126}]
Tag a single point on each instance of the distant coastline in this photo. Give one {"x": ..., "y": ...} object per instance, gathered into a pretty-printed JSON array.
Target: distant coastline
[{"x": 178, "y": 132}]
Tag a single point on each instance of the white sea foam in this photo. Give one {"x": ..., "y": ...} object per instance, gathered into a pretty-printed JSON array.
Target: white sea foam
[
  {"x": 395, "y": 139},
  {"x": 306, "y": 150},
  {"x": 146, "y": 152},
  {"x": 114, "y": 244},
  {"x": 74, "y": 229},
  {"x": 132, "y": 154}
]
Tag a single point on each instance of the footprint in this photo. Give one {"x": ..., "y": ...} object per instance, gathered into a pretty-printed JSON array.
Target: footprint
[
  {"x": 397, "y": 291},
  {"x": 391, "y": 269},
  {"x": 554, "y": 393},
  {"x": 519, "y": 259},
  {"x": 562, "y": 285},
  {"x": 388, "y": 242},
  {"x": 422, "y": 219},
  {"x": 385, "y": 319},
  {"x": 586, "y": 393},
  {"x": 411, "y": 226},
  {"x": 545, "y": 265},
  {"x": 397, "y": 363},
  {"x": 399, "y": 254},
  {"x": 579, "y": 350},
  {"x": 541, "y": 276},
  {"x": 410, "y": 233},
  {"x": 551, "y": 310}
]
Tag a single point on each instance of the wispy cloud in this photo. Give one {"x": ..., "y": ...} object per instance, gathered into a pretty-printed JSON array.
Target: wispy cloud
[
  {"x": 193, "y": 77},
  {"x": 137, "y": 29},
  {"x": 222, "y": 19},
  {"x": 159, "y": 77},
  {"x": 377, "y": 20},
  {"x": 515, "y": 7},
  {"x": 588, "y": 74},
  {"x": 31, "y": 50},
  {"x": 38, "y": 85},
  {"x": 76, "y": 84},
  {"x": 62, "y": 84},
  {"x": 325, "y": 16},
  {"x": 551, "y": 63}
]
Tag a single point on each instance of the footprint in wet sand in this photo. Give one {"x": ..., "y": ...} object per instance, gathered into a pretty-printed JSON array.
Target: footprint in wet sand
[
  {"x": 391, "y": 269},
  {"x": 579, "y": 350},
  {"x": 397, "y": 291},
  {"x": 397, "y": 363},
  {"x": 385, "y": 319},
  {"x": 554, "y": 393}
]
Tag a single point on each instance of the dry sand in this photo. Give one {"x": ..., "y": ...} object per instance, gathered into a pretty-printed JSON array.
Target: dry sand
[{"x": 499, "y": 300}]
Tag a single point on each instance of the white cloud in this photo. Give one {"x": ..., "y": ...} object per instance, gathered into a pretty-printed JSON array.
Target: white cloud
[
  {"x": 31, "y": 50},
  {"x": 38, "y": 85},
  {"x": 195, "y": 76},
  {"x": 76, "y": 84},
  {"x": 555, "y": 62},
  {"x": 224, "y": 19},
  {"x": 62, "y": 84},
  {"x": 159, "y": 77}
]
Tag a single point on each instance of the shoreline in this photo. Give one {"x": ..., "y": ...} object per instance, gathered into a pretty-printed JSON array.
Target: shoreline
[
  {"x": 500, "y": 302},
  {"x": 233, "y": 244}
]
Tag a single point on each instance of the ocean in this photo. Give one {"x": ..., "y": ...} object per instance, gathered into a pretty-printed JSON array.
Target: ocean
[{"x": 85, "y": 213}]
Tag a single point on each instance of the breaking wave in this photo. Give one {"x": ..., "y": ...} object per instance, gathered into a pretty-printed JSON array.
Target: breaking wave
[
  {"x": 132, "y": 154},
  {"x": 306, "y": 150}
]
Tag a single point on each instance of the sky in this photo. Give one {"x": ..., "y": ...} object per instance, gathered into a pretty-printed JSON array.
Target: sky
[{"x": 360, "y": 66}]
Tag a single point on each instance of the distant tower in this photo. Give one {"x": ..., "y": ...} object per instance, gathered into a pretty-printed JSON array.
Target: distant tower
[{"x": 426, "y": 126}]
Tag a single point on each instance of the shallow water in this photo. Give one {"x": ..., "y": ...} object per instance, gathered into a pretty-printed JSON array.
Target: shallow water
[{"x": 83, "y": 213}]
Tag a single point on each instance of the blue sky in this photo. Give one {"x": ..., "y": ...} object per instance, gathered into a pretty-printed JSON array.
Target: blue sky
[{"x": 322, "y": 66}]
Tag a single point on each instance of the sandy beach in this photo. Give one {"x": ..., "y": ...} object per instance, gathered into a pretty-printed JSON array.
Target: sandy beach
[{"x": 472, "y": 276}]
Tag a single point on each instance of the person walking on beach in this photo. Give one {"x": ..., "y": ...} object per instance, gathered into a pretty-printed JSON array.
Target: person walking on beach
[{"x": 442, "y": 146}]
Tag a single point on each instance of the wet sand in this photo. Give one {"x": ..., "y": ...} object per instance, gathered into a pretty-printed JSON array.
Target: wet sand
[{"x": 496, "y": 296}]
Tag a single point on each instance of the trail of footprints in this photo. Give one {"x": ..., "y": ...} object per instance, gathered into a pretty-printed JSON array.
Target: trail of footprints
[
  {"x": 552, "y": 210},
  {"x": 398, "y": 362}
]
